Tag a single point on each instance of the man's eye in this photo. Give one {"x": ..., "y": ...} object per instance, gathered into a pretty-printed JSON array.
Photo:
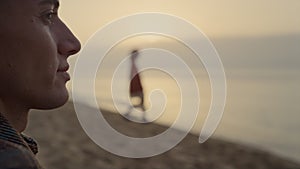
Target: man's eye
[{"x": 49, "y": 16}]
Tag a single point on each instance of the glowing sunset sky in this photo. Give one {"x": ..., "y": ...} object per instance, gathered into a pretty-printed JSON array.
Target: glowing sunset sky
[{"x": 215, "y": 18}]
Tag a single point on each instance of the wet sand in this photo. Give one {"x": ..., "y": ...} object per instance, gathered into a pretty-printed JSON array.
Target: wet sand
[{"x": 64, "y": 145}]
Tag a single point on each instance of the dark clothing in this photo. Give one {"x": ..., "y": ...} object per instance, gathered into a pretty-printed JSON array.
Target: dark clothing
[
  {"x": 16, "y": 150},
  {"x": 135, "y": 83}
]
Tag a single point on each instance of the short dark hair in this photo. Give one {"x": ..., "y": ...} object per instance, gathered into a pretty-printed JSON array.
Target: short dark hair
[{"x": 134, "y": 51}]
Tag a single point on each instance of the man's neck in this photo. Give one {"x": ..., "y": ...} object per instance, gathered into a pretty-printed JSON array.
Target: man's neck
[{"x": 17, "y": 117}]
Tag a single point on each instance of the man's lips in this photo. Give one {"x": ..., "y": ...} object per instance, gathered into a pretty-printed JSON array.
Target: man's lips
[
  {"x": 66, "y": 76},
  {"x": 63, "y": 68},
  {"x": 63, "y": 71}
]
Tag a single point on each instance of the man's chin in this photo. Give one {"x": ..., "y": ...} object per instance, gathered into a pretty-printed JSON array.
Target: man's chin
[{"x": 52, "y": 104}]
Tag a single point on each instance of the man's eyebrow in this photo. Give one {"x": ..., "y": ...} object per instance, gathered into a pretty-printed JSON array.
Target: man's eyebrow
[{"x": 52, "y": 2}]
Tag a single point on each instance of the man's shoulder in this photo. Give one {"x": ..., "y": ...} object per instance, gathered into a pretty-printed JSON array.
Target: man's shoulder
[{"x": 15, "y": 156}]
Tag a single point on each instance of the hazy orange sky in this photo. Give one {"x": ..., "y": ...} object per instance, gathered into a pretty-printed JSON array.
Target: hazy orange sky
[{"x": 214, "y": 18}]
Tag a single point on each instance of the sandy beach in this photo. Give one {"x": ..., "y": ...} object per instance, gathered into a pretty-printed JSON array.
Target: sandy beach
[{"x": 64, "y": 145}]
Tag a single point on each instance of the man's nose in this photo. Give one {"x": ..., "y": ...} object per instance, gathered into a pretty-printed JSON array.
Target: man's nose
[{"x": 68, "y": 44}]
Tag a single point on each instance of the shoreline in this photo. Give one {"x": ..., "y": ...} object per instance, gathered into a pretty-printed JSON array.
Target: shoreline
[{"x": 64, "y": 144}]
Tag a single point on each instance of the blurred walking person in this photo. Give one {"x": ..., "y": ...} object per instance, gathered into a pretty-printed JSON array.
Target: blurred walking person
[{"x": 136, "y": 88}]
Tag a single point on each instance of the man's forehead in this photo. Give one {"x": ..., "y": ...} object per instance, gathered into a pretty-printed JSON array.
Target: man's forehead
[
  {"x": 54, "y": 2},
  {"x": 40, "y": 2},
  {"x": 24, "y": 7}
]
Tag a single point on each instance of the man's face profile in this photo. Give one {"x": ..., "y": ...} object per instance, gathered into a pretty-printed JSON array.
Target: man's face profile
[{"x": 35, "y": 45}]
